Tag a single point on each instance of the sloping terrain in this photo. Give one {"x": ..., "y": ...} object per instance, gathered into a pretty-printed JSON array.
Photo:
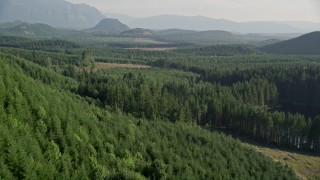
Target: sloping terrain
[
  {"x": 306, "y": 165},
  {"x": 50, "y": 133},
  {"x": 57, "y": 13},
  {"x": 307, "y": 44},
  {"x": 112, "y": 26},
  {"x": 25, "y": 29}
]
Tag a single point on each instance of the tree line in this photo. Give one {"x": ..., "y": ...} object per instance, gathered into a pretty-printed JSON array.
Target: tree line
[{"x": 243, "y": 107}]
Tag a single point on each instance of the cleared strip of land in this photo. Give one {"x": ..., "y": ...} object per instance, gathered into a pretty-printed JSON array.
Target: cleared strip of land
[
  {"x": 148, "y": 40},
  {"x": 99, "y": 65},
  {"x": 156, "y": 48},
  {"x": 306, "y": 166}
]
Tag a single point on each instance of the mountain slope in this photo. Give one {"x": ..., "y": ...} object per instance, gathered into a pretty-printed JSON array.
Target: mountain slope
[
  {"x": 31, "y": 30},
  {"x": 8, "y": 25},
  {"x": 109, "y": 26},
  {"x": 57, "y": 13},
  {"x": 49, "y": 133},
  {"x": 307, "y": 44},
  {"x": 123, "y": 18}
]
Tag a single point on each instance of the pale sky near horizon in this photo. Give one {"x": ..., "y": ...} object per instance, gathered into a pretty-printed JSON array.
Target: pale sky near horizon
[{"x": 236, "y": 10}]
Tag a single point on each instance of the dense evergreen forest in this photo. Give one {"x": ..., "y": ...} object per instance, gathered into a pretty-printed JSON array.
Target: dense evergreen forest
[
  {"x": 42, "y": 44},
  {"x": 47, "y": 132},
  {"x": 307, "y": 44},
  {"x": 63, "y": 117}
]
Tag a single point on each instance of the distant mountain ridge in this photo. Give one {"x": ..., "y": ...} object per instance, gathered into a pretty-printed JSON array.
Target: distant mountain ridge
[
  {"x": 7, "y": 25},
  {"x": 19, "y": 28},
  {"x": 57, "y": 13},
  {"x": 63, "y": 14},
  {"x": 115, "y": 27},
  {"x": 201, "y": 23},
  {"x": 108, "y": 25},
  {"x": 213, "y": 37},
  {"x": 308, "y": 44}
]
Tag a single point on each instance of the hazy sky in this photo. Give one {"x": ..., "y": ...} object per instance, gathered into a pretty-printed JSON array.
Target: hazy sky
[{"x": 237, "y": 10}]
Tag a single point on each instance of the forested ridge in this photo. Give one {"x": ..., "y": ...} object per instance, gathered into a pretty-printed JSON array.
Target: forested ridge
[
  {"x": 47, "y": 132},
  {"x": 307, "y": 44},
  {"x": 36, "y": 44}
]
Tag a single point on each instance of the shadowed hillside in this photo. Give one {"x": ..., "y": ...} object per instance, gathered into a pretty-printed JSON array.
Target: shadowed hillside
[{"x": 308, "y": 44}]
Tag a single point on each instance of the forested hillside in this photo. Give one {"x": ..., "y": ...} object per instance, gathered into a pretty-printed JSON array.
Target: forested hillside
[
  {"x": 48, "y": 132},
  {"x": 307, "y": 44},
  {"x": 72, "y": 112},
  {"x": 25, "y": 29},
  {"x": 164, "y": 95},
  {"x": 273, "y": 99},
  {"x": 268, "y": 82},
  {"x": 31, "y": 44}
]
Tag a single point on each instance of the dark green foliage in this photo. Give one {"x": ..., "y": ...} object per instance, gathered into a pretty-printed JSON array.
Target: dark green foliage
[
  {"x": 307, "y": 44},
  {"x": 296, "y": 78},
  {"x": 282, "y": 81},
  {"x": 49, "y": 133},
  {"x": 253, "y": 88},
  {"x": 41, "y": 57},
  {"x": 218, "y": 50},
  {"x": 240, "y": 107},
  {"x": 242, "y": 93},
  {"x": 47, "y": 45},
  {"x": 314, "y": 134},
  {"x": 41, "y": 74},
  {"x": 149, "y": 123}
]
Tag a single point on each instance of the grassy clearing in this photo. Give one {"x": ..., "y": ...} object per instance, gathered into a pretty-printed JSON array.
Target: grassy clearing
[
  {"x": 99, "y": 65},
  {"x": 155, "y": 49},
  {"x": 148, "y": 41},
  {"x": 306, "y": 166},
  {"x": 129, "y": 40}
]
